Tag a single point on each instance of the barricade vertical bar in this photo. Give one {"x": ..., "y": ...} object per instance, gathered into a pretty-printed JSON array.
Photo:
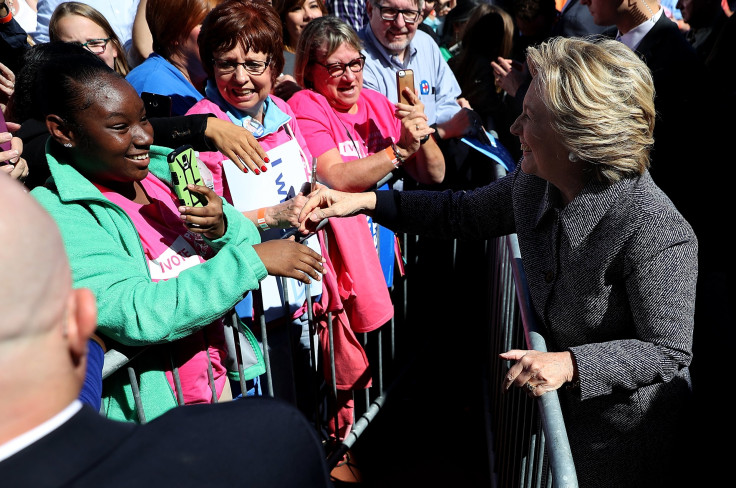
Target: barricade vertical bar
[
  {"x": 177, "y": 380},
  {"x": 560, "y": 456},
  {"x": 287, "y": 316},
  {"x": 238, "y": 353},
  {"x": 313, "y": 360},
  {"x": 380, "y": 361},
  {"x": 258, "y": 306},
  {"x": 366, "y": 391},
  {"x": 136, "y": 395},
  {"x": 539, "y": 457},
  {"x": 210, "y": 375},
  {"x": 331, "y": 342}
]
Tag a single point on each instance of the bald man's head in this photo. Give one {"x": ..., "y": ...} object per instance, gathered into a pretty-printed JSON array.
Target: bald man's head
[
  {"x": 33, "y": 266},
  {"x": 45, "y": 324}
]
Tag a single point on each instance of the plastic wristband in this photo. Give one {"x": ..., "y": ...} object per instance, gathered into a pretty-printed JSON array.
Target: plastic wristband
[
  {"x": 8, "y": 17},
  {"x": 394, "y": 155},
  {"x": 262, "y": 219}
]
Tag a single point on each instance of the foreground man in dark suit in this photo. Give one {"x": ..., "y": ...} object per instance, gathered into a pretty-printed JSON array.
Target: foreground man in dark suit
[{"x": 48, "y": 439}]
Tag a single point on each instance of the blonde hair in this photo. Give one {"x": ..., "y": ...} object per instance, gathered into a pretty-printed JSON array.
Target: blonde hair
[
  {"x": 120, "y": 64},
  {"x": 319, "y": 39},
  {"x": 601, "y": 98}
]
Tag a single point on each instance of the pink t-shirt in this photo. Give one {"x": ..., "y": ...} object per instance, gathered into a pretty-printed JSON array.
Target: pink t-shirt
[
  {"x": 170, "y": 248},
  {"x": 370, "y": 130},
  {"x": 362, "y": 287}
]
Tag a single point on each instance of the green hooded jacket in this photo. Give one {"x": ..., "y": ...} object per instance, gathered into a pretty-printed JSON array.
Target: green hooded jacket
[{"x": 106, "y": 256}]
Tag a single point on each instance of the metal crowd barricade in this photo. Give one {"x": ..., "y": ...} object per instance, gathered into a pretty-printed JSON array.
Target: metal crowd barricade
[
  {"x": 527, "y": 442},
  {"x": 528, "y": 445}
]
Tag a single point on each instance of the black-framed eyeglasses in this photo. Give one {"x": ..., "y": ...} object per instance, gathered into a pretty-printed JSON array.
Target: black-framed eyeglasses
[
  {"x": 390, "y": 13},
  {"x": 252, "y": 67},
  {"x": 336, "y": 70},
  {"x": 96, "y": 46}
]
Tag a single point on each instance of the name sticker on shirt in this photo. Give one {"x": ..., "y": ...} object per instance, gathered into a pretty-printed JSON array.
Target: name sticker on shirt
[{"x": 178, "y": 257}]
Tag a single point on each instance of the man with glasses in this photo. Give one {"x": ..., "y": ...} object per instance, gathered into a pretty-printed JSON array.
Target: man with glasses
[{"x": 391, "y": 42}]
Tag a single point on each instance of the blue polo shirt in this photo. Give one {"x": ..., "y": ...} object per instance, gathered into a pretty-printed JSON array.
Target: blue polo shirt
[{"x": 438, "y": 88}]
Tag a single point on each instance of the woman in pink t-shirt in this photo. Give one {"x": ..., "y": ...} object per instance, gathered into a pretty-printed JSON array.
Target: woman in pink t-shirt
[{"x": 346, "y": 123}]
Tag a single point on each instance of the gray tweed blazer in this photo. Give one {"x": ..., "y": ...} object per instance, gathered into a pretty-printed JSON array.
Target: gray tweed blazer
[{"x": 612, "y": 278}]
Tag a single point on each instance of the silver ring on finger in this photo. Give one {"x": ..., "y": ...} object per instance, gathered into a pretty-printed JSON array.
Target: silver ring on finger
[{"x": 530, "y": 388}]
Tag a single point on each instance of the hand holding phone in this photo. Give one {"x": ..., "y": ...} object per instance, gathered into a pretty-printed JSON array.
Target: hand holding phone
[
  {"x": 404, "y": 79},
  {"x": 184, "y": 171}
]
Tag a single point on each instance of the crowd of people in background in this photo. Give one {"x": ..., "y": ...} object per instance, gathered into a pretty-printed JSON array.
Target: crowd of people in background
[{"x": 283, "y": 99}]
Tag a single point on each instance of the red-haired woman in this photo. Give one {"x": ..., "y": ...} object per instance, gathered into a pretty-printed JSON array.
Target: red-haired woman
[
  {"x": 241, "y": 48},
  {"x": 174, "y": 69}
]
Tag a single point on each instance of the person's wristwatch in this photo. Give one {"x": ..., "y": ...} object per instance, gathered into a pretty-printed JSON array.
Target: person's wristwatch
[{"x": 436, "y": 132}]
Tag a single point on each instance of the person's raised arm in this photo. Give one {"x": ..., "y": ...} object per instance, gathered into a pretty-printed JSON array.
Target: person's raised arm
[
  {"x": 428, "y": 164},
  {"x": 142, "y": 43}
]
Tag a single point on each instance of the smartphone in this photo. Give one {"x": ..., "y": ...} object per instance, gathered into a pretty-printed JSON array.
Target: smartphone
[
  {"x": 156, "y": 105},
  {"x": 5, "y": 146},
  {"x": 184, "y": 171},
  {"x": 404, "y": 79}
]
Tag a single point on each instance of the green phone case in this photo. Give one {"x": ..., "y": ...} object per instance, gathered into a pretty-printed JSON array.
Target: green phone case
[{"x": 185, "y": 170}]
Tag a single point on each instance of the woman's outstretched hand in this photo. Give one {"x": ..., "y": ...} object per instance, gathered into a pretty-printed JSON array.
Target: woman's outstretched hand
[
  {"x": 208, "y": 220},
  {"x": 285, "y": 257},
  {"x": 324, "y": 203}
]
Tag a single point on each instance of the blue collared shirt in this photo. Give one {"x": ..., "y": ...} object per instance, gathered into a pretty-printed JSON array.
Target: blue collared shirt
[{"x": 438, "y": 88}]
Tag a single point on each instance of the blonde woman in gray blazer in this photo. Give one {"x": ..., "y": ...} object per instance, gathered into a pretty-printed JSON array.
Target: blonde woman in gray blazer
[{"x": 611, "y": 263}]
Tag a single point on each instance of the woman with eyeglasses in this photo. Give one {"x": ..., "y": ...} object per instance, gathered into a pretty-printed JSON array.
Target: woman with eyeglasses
[
  {"x": 83, "y": 24},
  {"x": 359, "y": 137},
  {"x": 242, "y": 50},
  {"x": 357, "y": 134}
]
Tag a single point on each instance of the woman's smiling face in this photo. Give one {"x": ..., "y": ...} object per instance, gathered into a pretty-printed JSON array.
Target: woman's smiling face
[
  {"x": 241, "y": 89},
  {"x": 112, "y": 136},
  {"x": 343, "y": 91},
  {"x": 544, "y": 154}
]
